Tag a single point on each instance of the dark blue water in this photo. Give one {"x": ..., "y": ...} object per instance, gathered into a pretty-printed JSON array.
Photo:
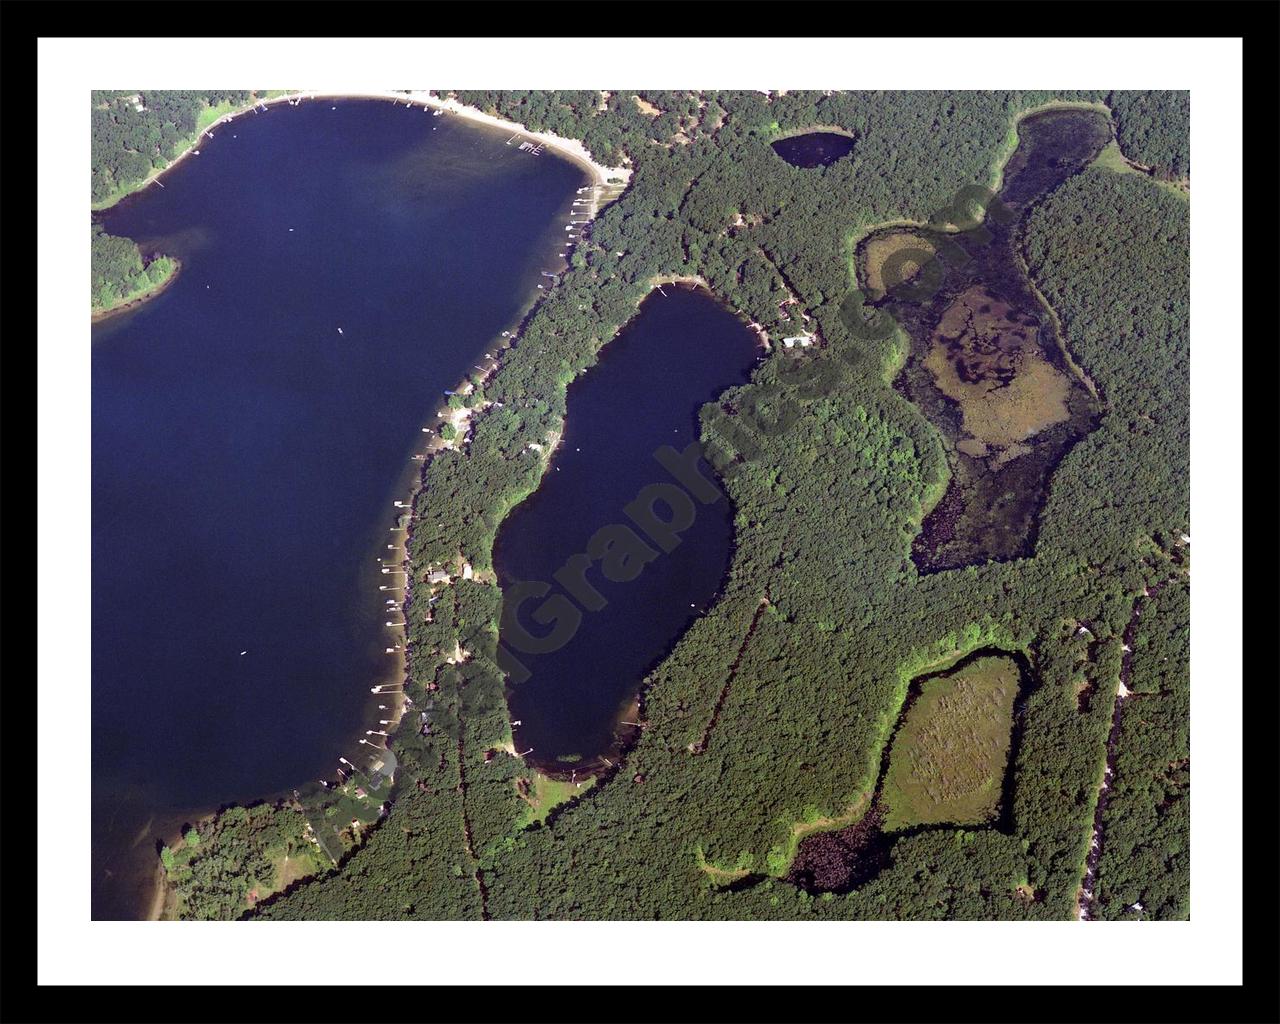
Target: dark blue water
[
  {"x": 816, "y": 149},
  {"x": 246, "y": 454},
  {"x": 680, "y": 351}
]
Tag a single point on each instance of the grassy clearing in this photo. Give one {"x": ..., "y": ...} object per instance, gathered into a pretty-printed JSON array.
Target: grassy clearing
[
  {"x": 209, "y": 115},
  {"x": 300, "y": 864},
  {"x": 547, "y": 794},
  {"x": 1113, "y": 159},
  {"x": 948, "y": 760}
]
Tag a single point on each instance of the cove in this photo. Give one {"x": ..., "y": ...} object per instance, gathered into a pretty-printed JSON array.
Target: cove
[
  {"x": 986, "y": 364},
  {"x": 814, "y": 149},
  {"x": 680, "y": 351},
  {"x": 344, "y": 262}
]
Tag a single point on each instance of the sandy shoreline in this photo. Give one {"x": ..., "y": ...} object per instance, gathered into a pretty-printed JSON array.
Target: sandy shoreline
[
  {"x": 570, "y": 149},
  {"x": 489, "y": 363},
  {"x": 159, "y": 895}
]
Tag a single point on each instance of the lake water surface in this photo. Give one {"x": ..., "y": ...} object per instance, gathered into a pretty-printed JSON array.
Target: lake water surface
[
  {"x": 246, "y": 451},
  {"x": 681, "y": 350},
  {"x": 814, "y": 149}
]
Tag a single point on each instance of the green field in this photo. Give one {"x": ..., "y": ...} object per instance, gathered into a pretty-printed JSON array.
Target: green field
[
  {"x": 948, "y": 759},
  {"x": 548, "y": 794}
]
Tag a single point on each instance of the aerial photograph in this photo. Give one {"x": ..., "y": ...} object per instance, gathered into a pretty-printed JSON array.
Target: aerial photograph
[
  {"x": 613, "y": 504},
  {"x": 640, "y": 504}
]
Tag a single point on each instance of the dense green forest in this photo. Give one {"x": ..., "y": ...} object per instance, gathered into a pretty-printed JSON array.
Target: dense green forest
[
  {"x": 1145, "y": 865},
  {"x": 118, "y": 272},
  {"x": 135, "y": 134},
  {"x": 223, "y": 867},
  {"x": 1154, "y": 129},
  {"x": 767, "y": 722}
]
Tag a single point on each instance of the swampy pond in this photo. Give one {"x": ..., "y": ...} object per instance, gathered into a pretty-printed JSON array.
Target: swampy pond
[
  {"x": 343, "y": 263},
  {"x": 680, "y": 351},
  {"x": 987, "y": 365},
  {"x": 948, "y": 764}
]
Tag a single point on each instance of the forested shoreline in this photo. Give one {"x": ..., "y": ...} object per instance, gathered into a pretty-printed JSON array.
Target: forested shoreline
[
  {"x": 120, "y": 276},
  {"x": 133, "y": 136},
  {"x": 725, "y": 781}
]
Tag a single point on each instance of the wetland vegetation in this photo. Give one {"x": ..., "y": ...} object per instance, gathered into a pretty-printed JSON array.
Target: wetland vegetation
[
  {"x": 986, "y": 363},
  {"x": 949, "y": 757}
]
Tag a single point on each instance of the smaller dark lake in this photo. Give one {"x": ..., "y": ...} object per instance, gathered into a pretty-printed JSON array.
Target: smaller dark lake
[
  {"x": 816, "y": 149},
  {"x": 681, "y": 350}
]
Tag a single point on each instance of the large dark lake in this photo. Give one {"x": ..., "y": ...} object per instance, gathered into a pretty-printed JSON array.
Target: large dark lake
[
  {"x": 680, "y": 351},
  {"x": 246, "y": 453}
]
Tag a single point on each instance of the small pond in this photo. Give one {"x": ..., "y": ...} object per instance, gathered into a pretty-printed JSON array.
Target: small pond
[{"x": 814, "y": 149}]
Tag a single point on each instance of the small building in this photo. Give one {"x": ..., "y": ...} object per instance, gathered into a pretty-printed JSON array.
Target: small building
[
  {"x": 802, "y": 340},
  {"x": 437, "y": 576},
  {"x": 383, "y": 770}
]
